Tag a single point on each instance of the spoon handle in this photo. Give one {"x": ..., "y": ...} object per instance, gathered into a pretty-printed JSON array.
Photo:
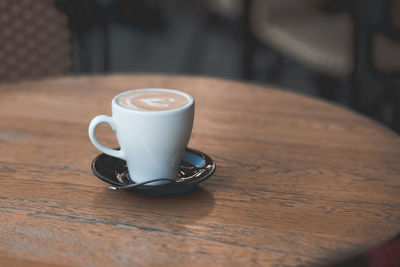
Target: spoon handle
[{"x": 132, "y": 185}]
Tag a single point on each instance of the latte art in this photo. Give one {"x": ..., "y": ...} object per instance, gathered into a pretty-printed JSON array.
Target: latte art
[{"x": 152, "y": 100}]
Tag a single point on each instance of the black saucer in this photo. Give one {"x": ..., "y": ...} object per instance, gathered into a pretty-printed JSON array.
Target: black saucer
[{"x": 196, "y": 167}]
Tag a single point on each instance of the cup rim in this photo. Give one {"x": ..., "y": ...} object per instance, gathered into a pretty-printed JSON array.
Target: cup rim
[{"x": 189, "y": 97}]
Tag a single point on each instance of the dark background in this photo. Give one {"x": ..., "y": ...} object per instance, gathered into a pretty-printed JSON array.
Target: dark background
[{"x": 232, "y": 39}]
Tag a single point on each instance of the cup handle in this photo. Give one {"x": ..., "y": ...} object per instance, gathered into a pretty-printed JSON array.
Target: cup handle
[{"x": 92, "y": 135}]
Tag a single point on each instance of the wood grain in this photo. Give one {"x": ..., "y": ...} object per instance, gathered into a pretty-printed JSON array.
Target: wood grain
[{"x": 299, "y": 181}]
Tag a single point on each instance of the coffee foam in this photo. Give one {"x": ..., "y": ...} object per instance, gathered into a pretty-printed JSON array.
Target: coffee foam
[{"x": 152, "y": 100}]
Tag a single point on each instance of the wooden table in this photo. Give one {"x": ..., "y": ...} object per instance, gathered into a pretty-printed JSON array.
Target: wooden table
[{"x": 298, "y": 181}]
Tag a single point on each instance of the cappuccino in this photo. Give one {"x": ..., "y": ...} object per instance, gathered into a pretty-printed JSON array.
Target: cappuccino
[
  {"x": 153, "y": 127},
  {"x": 153, "y": 100}
]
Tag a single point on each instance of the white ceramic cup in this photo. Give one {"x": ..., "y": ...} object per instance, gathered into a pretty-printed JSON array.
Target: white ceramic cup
[{"x": 151, "y": 142}]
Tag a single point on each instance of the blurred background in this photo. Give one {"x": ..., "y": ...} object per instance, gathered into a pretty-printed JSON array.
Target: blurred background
[{"x": 345, "y": 51}]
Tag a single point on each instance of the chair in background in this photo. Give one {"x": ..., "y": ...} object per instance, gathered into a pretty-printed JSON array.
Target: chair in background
[
  {"x": 39, "y": 39},
  {"x": 35, "y": 40},
  {"x": 338, "y": 40}
]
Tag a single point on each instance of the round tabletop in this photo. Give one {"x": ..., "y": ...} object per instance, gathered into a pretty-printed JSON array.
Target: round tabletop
[{"x": 298, "y": 181}]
